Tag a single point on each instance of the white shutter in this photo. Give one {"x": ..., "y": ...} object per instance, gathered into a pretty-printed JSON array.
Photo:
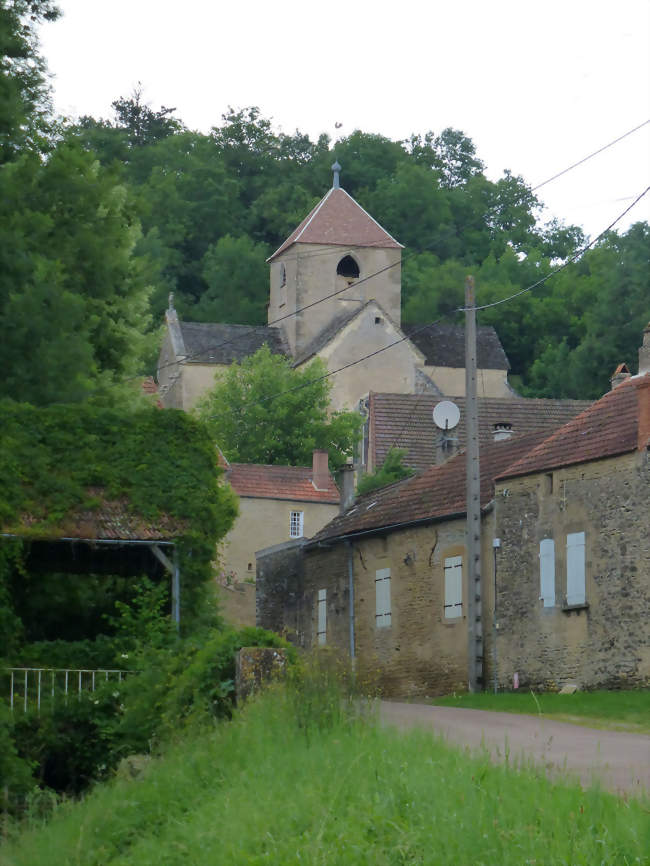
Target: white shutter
[
  {"x": 322, "y": 616},
  {"x": 453, "y": 587},
  {"x": 547, "y": 571},
  {"x": 382, "y": 597},
  {"x": 575, "y": 568}
]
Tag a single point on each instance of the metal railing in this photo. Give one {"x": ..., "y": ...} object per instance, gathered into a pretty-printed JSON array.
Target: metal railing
[{"x": 27, "y": 688}]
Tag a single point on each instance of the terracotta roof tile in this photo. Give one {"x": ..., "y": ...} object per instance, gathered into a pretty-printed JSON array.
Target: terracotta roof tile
[
  {"x": 280, "y": 482},
  {"x": 339, "y": 219},
  {"x": 405, "y": 420},
  {"x": 609, "y": 427},
  {"x": 432, "y": 495}
]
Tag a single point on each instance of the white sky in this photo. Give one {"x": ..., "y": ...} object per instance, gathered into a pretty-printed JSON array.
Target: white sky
[{"x": 537, "y": 86}]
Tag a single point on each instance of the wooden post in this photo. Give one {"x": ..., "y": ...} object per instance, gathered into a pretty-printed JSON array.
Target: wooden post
[{"x": 473, "y": 495}]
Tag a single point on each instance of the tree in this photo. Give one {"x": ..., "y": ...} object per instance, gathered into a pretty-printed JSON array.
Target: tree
[
  {"x": 237, "y": 277},
  {"x": 391, "y": 470},
  {"x": 265, "y": 411},
  {"x": 74, "y": 297},
  {"x": 24, "y": 96}
]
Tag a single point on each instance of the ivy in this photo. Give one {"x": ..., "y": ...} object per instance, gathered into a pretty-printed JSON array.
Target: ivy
[{"x": 59, "y": 460}]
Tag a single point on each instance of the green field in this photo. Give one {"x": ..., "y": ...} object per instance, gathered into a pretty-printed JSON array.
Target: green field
[
  {"x": 621, "y": 710},
  {"x": 266, "y": 790}
]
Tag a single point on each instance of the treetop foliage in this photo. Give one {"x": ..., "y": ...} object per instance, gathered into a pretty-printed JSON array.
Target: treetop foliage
[
  {"x": 102, "y": 218},
  {"x": 265, "y": 411}
]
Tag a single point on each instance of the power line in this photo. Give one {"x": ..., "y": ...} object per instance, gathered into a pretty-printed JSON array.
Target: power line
[
  {"x": 458, "y": 310},
  {"x": 347, "y": 251},
  {"x": 569, "y": 261},
  {"x": 595, "y": 153}
]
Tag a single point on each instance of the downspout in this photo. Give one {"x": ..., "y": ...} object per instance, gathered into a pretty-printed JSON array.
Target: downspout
[{"x": 350, "y": 548}]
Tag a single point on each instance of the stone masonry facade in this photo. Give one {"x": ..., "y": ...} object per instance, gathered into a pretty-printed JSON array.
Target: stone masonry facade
[{"x": 604, "y": 643}]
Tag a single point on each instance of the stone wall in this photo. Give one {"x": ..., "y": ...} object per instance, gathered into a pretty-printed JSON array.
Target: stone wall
[
  {"x": 279, "y": 589},
  {"x": 606, "y": 643}
]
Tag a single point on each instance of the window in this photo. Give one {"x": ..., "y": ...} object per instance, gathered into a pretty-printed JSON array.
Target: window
[
  {"x": 547, "y": 571},
  {"x": 296, "y": 523},
  {"x": 283, "y": 276},
  {"x": 575, "y": 568},
  {"x": 453, "y": 587},
  {"x": 322, "y": 617},
  {"x": 382, "y": 597},
  {"x": 348, "y": 268}
]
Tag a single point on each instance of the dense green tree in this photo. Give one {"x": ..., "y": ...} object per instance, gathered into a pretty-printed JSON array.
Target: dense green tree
[
  {"x": 265, "y": 411},
  {"x": 24, "y": 98},
  {"x": 237, "y": 279},
  {"x": 73, "y": 298},
  {"x": 417, "y": 210}
]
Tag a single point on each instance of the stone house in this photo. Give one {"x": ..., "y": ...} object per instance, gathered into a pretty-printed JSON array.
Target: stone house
[
  {"x": 276, "y": 504},
  {"x": 565, "y": 562},
  {"x": 335, "y": 294},
  {"x": 573, "y": 515},
  {"x": 385, "y": 581}
]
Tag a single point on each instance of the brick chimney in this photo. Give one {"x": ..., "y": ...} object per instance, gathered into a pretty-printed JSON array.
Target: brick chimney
[
  {"x": 643, "y": 396},
  {"x": 347, "y": 485},
  {"x": 644, "y": 352},
  {"x": 620, "y": 374},
  {"x": 502, "y": 431},
  {"x": 320, "y": 472}
]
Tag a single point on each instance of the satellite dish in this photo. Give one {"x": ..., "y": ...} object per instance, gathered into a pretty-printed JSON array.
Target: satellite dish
[{"x": 446, "y": 415}]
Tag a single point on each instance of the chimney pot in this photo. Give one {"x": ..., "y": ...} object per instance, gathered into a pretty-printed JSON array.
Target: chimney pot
[
  {"x": 347, "y": 485},
  {"x": 502, "y": 431},
  {"x": 644, "y": 352},
  {"x": 320, "y": 470},
  {"x": 620, "y": 374}
]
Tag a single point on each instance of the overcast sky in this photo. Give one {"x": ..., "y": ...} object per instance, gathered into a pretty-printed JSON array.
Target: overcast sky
[{"x": 537, "y": 86}]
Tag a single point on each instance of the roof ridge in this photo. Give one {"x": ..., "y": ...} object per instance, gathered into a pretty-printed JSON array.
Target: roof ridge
[
  {"x": 370, "y": 217},
  {"x": 307, "y": 221}
]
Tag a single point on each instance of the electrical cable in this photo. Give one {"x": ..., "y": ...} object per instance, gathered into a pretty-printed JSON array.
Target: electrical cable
[
  {"x": 595, "y": 153},
  {"x": 458, "y": 310},
  {"x": 564, "y": 265}
]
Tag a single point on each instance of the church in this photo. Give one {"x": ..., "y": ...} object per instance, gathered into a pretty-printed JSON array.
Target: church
[{"x": 335, "y": 294}]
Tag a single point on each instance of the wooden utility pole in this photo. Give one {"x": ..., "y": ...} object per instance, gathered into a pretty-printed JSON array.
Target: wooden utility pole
[{"x": 473, "y": 492}]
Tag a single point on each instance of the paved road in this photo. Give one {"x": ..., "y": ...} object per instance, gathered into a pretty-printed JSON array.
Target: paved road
[{"x": 619, "y": 761}]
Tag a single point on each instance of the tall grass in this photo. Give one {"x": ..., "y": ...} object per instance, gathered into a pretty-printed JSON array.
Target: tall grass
[{"x": 258, "y": 791}]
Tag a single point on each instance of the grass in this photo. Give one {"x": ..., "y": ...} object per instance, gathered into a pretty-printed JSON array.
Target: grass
[
  {"x": 622, "y": 710},
  {"x": 262, "y": 790}
]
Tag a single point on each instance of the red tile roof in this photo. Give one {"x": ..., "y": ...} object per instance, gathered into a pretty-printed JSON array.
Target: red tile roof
[
  {"x": 280, "y": 482},
  {"x": 405, "y": 420},
  {"x": 613, "y": 425},
  {"x": 339, "y": 219},
  {"x": 111, "y": 520},
  {"x": 432, "y": 495}
]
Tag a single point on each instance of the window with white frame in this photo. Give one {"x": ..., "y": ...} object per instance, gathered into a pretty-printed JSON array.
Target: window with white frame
[
  {"x": 382, "y": 597},
  {"x": 322, "y": 617},
  {"x": 453, "y": 587},
  {"x": 575, "y": 568},
  {"x": 547, "y": 572},
  {"x": 296, "y": 524}
]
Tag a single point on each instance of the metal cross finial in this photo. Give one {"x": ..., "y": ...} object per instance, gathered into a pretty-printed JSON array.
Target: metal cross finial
[{"x": 336, "y": 168}]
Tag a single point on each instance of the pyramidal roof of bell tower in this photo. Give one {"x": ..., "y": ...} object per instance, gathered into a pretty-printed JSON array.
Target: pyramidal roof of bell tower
[{"x": 340, "y": 220}]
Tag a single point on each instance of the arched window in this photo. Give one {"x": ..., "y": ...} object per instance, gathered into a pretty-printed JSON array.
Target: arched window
[
  {"x": 348, "y": 268},
  {"x": 283, "y": 276}
]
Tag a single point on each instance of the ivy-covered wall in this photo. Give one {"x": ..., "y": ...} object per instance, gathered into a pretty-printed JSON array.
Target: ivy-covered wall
[{"x": 161, "y": 465}]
